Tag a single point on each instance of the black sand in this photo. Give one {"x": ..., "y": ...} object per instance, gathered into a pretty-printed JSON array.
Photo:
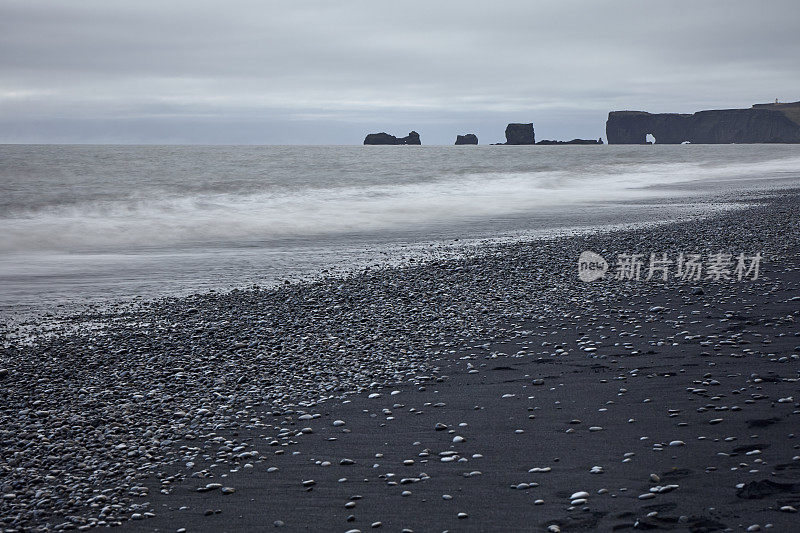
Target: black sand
[{"x": 688, "y": 404}]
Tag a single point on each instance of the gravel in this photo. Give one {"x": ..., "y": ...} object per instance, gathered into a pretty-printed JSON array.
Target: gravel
[{"x": 110, "y": 399}]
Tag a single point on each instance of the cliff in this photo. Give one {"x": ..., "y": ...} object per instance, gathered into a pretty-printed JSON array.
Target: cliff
[
  {"x": 385, "y": 138},
  {"x": 791, "y": 110},
  {"x": 763, "y": 123}
]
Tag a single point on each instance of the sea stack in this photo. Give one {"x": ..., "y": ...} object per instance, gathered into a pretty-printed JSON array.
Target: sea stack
[
  {"x": 520, "y": 134},
  {"x": 385, "y": 138},
  {"x": 411, "y": 138},
  {"x": 469, "y": 138}
]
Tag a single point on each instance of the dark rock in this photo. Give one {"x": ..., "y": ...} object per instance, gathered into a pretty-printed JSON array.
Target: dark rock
[
  {"x": 573, "y": 141},
  {"x": 791, "y": 109},
  {"x": 385, "y": 138},
  {"x": 763, "y": 123},
  {"x": 380, "y": 138},
  {"x": 520, "y": 134},
  {"x": 469, "y": 138},
  {"x": 411, "y": 138}
]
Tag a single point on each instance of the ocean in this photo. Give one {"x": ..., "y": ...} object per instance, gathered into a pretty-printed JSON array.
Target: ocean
[{"x": 84, "y": 224}]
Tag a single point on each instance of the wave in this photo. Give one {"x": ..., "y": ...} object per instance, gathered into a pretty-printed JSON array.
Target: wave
[{"x": 275, "y": 212}]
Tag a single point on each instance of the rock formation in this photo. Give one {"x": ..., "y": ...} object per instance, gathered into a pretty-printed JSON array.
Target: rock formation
[
  {"x": 573, "y": 141},
  {"x": 791, "y": 109},
  {"x": 385, "y": 138},
  {"x": 520, "y": 134},
  {"x": 411, "y": 138},
  {"x": 380, "y": 138},
  {"x": 469, "y": 138},
  {"x": 763, "y": 123}
]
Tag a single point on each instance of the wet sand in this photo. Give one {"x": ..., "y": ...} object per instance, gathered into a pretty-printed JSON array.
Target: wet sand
[{"x": 491, "y": 393}]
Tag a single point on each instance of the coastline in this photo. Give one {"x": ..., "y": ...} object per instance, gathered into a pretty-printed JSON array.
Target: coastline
[
  {"x": 231, "y": 379},
  {"x": 96, "y": 243},
  {"x": 36, "y": 318}
]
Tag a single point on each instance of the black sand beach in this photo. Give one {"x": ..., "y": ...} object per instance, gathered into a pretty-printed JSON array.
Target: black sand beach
[{"x": 496, "y": 392}]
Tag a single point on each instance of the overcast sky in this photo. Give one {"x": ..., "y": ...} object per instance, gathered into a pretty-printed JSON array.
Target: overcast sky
[{"x": 328, "y": 72}]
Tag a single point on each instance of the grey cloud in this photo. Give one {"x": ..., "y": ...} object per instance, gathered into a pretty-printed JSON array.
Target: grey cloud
[{"x": 325, "y": 72}]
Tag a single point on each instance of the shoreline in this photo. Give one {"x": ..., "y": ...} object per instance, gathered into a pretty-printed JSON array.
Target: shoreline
[
  {"x": 190, "y": 380},
  {"x": 398, "y": 251},
  {"x": 54, "y": 258}
]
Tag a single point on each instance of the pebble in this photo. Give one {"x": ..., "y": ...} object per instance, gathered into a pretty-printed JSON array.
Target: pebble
[{"x": 176, "y": 390}]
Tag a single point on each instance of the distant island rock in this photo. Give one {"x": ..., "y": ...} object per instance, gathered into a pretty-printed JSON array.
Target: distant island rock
[
  {"x": 469, "y": 138},
  {"x": 520, "y": 133},
  {"x": 385, "y": 138},
  {"x": 573, "y": 141},
  {"x": 762, "y": 123}
]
